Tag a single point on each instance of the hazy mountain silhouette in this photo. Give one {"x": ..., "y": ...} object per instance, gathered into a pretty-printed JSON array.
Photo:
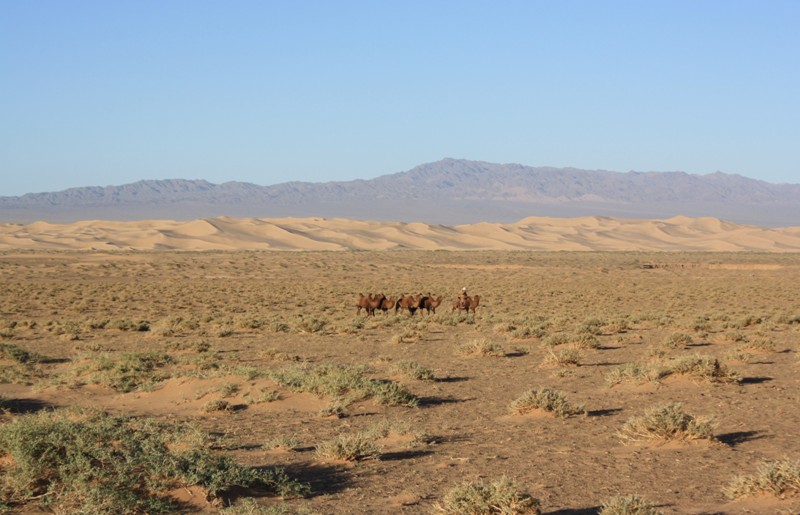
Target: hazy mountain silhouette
[{"x": 449, "y": 191}]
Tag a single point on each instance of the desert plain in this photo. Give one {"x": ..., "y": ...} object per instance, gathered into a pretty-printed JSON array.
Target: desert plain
[{"x": 264, "y": 353}]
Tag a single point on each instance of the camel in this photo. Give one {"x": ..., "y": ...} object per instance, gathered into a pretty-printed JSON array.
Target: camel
[
  {"x": 466, "y": 303},
  {"x": 387, "y": 304},
  {"x": 409, "y": 302},
  {"x": 369, "y": 303},
  {"x": 430, "y": 303}
]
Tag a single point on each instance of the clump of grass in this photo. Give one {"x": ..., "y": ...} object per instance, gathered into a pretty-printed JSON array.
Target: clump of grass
[
  {"x": 700, "y": 367},
  {"x": 735, "y": 336},
  {"x": 638, "y": 372},
  {"x": 279, "y": 326},
  {"x": 676, "y": 340},
  {"x": 701, "y": 325},
  {"x": 760, "y": 344},
  {"x": 408, "y": 335},
  {"x": 668, "y": 422},
  {"x": 289, "y": 443},
  {"x": 617, "y": 326},
  {"x": 384, "y": 429},
  {"x": 628, "y": 505},
  {"x": 454, "y": 318},
  {"x": 567, "y": 357},
  {"x": 504, "y": 327},
  {"x": 224, "y": 330},
  {"x": 277, "y": 355},
  {"x": 480, "y": 347},
  {"x": 24, "y": 367},
  {"x": 335, "y": 408},
  {"x": 556, "y": 339},
  {"x": 747, "y": 321},
  {"x": 167, "y": 327},
  {"x": 7, "y": 329},
  {"x": 126, "y": 372},
  {"x": 703, "y": 367},
  {"x": 249, "y": 322},
  {"x": 349, "y": 447},
  {"x": 528, "y": 331},
  {"x": 500, "y": 496},
  {"x": 593, "y": 326},
  {"x": 310, "y": 325},
  {"x": 586, "y": 341},
  {"x": 267, "y": 395},
  {"x": 18, "y": 354},
  {"x": 130, "y": 325},
  {"x": 545, "y": 399},
  {"x": 86, "y": 461},
  {"x": 336, "y": 381},
  {"x": 229, "y": 389},
  {"x": 216, "y": 405},
  {"x": 773, "y": 477},
  {"x": 249, "y": 506},
  {"x": 740, "y": 354},
  {"x": 630, "y": 339},
  {"x": 412, "y": 370}
]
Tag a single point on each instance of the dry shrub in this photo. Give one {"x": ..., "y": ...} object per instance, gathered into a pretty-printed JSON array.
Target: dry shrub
[
  {"x": 676, "y": 340},
  {"x": 412, "y": 370},
  {"x": 703, "y": 367},
  {"x": 628, "y": 505},
  {"x": 349, "y": 447},
  {"x": 760, "y": 344},
  {"x": 667, "y": 422},
  {"x": 568, "y": 357},
  {"x": 479, "y": 498},
  {"x": 481, "y": 347},
  {"x": 700, "y": 367},
  {"x": 86, "y": 461},
  {"x": 773, "y": 477},
  {"x": 337, "y": 380},
  {"x": 545, "y": 399},
  {"x": 638, "y": 372}
]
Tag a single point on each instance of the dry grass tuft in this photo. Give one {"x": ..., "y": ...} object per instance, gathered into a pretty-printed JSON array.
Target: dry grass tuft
[
  {"x": 479, "y": 498},
  {"x": 667, "y": 422},
  {"x": 349, "y": 447},
  {"x": 481, "y": 347},
  {"x": 628, "y": 505},
  {"x": 545, "y": 399},
  {"x": 773, "y": 477}
]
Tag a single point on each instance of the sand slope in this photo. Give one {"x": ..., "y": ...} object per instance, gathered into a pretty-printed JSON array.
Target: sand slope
[{"x": 533, "y": 233}]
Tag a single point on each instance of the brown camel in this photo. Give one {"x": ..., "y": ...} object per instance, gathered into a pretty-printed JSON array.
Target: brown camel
[
  {"x": 465, "y": 303},
  {"x": 430, "y": 303},
  {"x": 369, "y": 303},
  {"x": 409, "y": 302},
  {"x": 387, "y": 304}
]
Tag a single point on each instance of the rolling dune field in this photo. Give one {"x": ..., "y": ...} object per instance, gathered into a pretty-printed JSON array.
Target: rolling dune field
[{"x": 532, "y": 233}]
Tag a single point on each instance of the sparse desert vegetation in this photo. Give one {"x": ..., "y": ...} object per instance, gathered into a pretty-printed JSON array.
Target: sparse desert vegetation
[{"x": 245, "y": 382}]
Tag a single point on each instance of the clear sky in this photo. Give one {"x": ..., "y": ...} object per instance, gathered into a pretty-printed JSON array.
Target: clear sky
[{"x": 111, "y": 92}]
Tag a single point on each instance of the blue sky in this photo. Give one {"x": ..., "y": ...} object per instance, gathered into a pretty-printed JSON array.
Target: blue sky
[{"x": 111, "y": 92}]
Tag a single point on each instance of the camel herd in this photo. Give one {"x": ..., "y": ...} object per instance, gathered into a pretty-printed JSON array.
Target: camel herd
[{"x": 413, "y": 303}]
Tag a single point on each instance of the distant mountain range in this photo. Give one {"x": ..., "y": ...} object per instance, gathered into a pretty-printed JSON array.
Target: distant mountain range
[{"x": 450, "y": 191}]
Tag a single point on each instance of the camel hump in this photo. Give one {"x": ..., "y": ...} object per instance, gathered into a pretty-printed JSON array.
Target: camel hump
[{"x": 476, "y": 299}]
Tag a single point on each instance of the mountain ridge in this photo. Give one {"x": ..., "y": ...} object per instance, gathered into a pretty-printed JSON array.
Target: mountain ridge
[{"x": 444, "y": 191}]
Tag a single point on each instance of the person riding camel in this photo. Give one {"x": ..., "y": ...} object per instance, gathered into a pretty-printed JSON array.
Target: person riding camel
[{"x": 462, "y": 299}]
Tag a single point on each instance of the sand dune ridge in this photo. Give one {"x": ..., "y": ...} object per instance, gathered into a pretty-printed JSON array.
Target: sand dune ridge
[{"x": 678, "y": 233}]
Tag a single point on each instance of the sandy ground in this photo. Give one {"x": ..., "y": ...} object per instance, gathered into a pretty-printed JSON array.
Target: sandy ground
[
  {"x": 729, "y": 304},
  {"x": 533, "y": 233}
]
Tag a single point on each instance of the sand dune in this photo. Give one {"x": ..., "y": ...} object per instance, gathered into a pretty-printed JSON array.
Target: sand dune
[{"x": 533, "y": 233}]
